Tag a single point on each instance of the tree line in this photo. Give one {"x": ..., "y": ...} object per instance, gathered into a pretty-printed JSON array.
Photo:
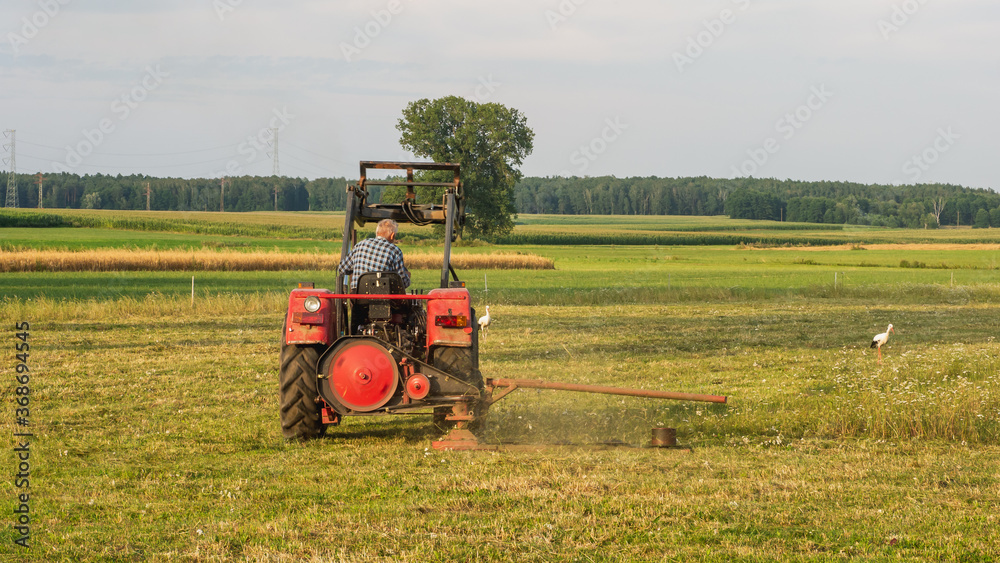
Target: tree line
[
  {"x": 912, "y": 206},
  {"x": 245, "y": 193},
  {"x": 909, "y": 206}
]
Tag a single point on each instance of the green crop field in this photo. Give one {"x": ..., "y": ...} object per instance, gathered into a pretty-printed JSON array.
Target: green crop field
[
  {"x": 592, "y": 274},
  {"x": 156, "y": 435},
  {"x": 530, "y": 229}
]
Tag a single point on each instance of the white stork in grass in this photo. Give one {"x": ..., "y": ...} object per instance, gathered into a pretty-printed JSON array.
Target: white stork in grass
[
  {"x": 879, "y": 340},
  {"x": 484, "y": 322}
]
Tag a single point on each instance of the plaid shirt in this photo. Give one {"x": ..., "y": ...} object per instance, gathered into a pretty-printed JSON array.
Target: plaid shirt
[{"x": 374, "y": 254}]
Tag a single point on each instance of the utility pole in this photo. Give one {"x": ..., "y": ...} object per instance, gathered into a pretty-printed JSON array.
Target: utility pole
[
  {"x": 12, "y": 175},
  {"x": 147, "y": 196},
  {"x": 274, "y": 138},
  {"x": 39, "y": 182},
  {"x": 274, "y": 169},
  {"x": 222, "y": 195}
]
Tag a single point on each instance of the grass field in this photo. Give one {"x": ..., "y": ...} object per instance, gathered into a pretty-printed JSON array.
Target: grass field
[
  {"x": 602, "y": 274},
  {"x": 157, "y": 438},
  {"x": 530, "y": 229}
]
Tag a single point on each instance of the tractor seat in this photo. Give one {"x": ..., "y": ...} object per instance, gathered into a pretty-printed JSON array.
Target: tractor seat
[{"x": 379, "y": 283}]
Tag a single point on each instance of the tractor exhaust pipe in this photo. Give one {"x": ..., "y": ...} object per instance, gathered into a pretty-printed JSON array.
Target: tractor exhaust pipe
[{"x": 512, "y": 384}]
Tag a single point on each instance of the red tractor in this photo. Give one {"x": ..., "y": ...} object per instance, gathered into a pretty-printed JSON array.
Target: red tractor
[{"x": 381, "y": 350}]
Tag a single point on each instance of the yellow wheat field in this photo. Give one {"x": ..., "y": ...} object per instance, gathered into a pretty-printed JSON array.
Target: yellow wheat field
[{"x": 210, "y": 260}]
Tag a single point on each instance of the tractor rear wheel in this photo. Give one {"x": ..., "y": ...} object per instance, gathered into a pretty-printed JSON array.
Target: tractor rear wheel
[
  {"x": 463, "y": 363},
  {"x": 459, "y": 362},
  {"x": 299, "y": 398}
]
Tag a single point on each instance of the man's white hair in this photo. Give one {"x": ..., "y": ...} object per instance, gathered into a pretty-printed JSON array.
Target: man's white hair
[{"x": 386, "y": 228}]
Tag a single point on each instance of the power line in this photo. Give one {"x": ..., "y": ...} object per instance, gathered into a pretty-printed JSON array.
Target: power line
[
  {"x": 306, "y": 162},
  {"x": 316, "y": 153},
  {"x": 141, "y": 166},
  {"x": 193, "y": 151},
  {"x": 321, "y": 168},
  {"x": 134, "y": 154},
  {"x": 293, "y": 167}
]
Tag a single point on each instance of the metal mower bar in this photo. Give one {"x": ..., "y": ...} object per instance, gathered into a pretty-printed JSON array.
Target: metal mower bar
[
  {"x": 460, "y": 438},
  {"x": 511, "y": 385}
]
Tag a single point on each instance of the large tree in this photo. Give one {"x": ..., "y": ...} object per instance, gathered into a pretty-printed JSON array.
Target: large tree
[{"x": 489, "y": 141}]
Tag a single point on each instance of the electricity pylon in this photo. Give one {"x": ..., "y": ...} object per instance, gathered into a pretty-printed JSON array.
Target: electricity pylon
[{"x": 12, "y": 175}]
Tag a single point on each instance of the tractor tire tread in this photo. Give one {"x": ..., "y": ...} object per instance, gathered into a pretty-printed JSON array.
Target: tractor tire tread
[
  {"x": 299, "y": 408},
  {"x": 460, "y": 362}
]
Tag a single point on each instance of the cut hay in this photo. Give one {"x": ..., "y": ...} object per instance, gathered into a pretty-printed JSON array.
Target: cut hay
[{"x": 121, "y": 260}]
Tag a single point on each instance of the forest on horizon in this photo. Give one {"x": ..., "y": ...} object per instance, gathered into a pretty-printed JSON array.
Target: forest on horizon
[{"x": 906, "y": 206}]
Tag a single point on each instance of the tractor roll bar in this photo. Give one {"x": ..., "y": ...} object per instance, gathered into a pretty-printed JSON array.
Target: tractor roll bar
[
  {"x": 449, "y": 232},
  {"x": 448, "y": 212},
  {"x": 367, "y": 165}
]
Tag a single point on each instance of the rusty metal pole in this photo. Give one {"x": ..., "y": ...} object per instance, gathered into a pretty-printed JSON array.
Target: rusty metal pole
[{"x": 539, "y": 384}]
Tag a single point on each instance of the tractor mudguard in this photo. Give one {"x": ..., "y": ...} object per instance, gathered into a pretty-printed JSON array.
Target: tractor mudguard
[
  {"x": 305, "y": 327},
  {"x": 449, "y": 317}
]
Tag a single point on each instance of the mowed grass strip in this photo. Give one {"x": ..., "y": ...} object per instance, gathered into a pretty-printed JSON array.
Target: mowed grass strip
[
  {"x": 157, "y": 438},
  {"x": 117, "y": 260}
]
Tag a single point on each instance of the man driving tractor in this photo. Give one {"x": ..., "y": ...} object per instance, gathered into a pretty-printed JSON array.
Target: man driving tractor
[{"x": 376, "y": 254}]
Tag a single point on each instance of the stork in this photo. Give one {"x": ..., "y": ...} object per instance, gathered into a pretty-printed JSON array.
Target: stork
[
  {"x": 881, "y": 339},
  {"x": 484, "y": 322}
]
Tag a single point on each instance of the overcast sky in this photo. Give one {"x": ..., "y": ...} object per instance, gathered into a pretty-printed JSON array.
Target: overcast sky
[{"x": 879, "y": 91}]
